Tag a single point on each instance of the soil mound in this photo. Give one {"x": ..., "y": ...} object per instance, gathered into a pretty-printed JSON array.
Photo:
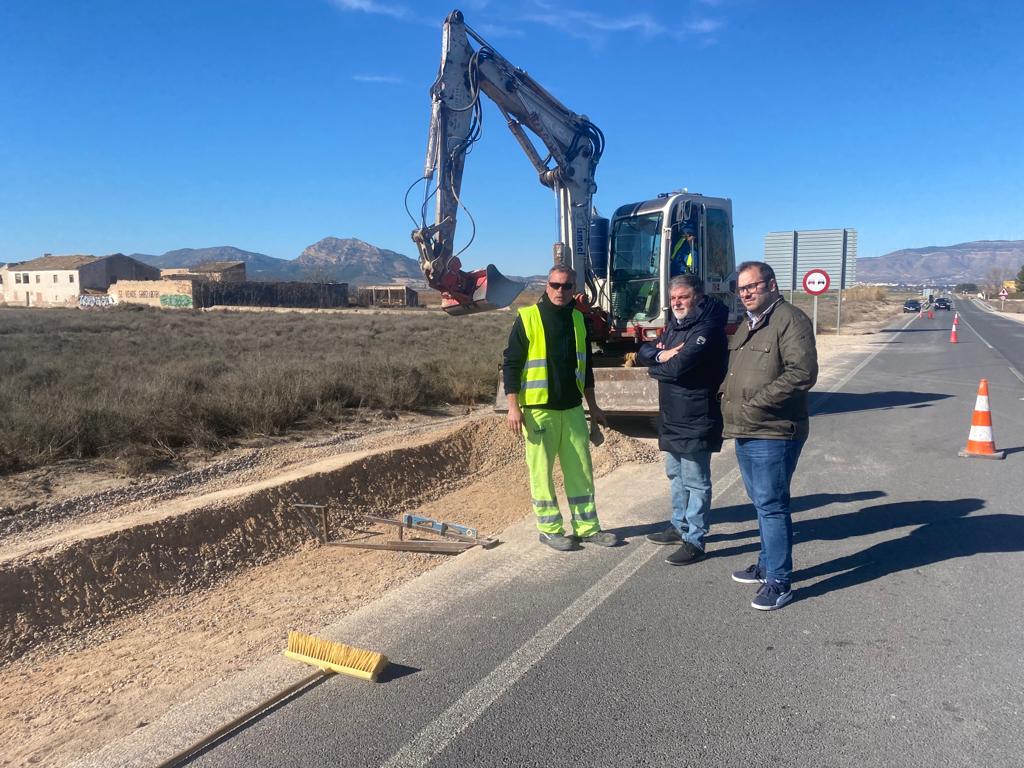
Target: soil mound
[{"x": 92, "y": 574}]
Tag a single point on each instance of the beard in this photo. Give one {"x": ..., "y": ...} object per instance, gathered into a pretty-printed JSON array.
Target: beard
[{"x": 678, "y": 314}]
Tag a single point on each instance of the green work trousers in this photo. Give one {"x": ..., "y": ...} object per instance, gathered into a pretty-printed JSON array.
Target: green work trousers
[{"x": 564, "y": 434}]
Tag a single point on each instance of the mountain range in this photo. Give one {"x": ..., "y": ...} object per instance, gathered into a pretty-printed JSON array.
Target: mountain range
[
  {"x": 972, "y": 262},
  {"x": 331, "y": 259},
  {"x": 354, "y": 261}
]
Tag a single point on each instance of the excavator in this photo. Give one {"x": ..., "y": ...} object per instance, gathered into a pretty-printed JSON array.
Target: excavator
[{"x": 622, "y": 264}]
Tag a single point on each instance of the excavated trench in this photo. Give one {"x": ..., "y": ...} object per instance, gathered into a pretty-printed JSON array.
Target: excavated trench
[
  {"x": 87, "y": 576},
  {"x": 97, "y": 573}
]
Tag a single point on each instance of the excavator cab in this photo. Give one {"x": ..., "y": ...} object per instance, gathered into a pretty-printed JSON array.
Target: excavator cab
[
  {"x": 635, "y": 266},
  {"x": 652, "y": 242}
]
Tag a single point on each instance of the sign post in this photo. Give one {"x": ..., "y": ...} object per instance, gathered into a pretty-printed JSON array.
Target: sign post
[
  {"x": 1002, "y": 298},
  {"x": 816, "y": 282}
]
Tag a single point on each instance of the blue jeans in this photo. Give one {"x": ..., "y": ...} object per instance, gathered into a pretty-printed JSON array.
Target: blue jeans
[
  {"x": 767, "y": 468},
  {"x": 689, "y": 477}
]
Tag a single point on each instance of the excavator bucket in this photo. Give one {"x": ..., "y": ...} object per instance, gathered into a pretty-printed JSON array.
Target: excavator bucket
[{"x": 492, "y": 291}]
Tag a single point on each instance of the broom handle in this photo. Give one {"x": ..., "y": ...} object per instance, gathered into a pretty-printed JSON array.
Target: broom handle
[{"x": 242, "y": 719}]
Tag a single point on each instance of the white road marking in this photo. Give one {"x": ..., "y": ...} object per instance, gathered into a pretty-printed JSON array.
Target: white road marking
[
  {"x": 964, "y": 321},
  {"x": 1018, "y": 374},
  {"x": 435, "y": 737}
]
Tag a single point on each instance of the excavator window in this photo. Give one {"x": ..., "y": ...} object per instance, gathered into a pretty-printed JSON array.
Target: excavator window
[
  {"x": 635, "y": 255},
  {"x": 718, "y": 251}
]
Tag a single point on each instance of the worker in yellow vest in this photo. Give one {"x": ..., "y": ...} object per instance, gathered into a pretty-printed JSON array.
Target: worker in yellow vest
[
  {"x": 547, "y": 371},
  {"x": 682, "y": 260}
]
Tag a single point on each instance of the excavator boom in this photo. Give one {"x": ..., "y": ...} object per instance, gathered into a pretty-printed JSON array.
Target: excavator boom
[{"x": 573, "y": 147}]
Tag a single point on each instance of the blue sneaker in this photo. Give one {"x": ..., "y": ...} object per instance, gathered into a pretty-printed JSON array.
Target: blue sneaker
[
  {"x": 771, "y": 596},
  {"x": 752, "y": 574}
]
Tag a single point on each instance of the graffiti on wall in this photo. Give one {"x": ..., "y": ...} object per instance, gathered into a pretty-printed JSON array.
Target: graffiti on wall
[
  {"x": 177, "y": 300},
  {"x": 90, "y": 302}
]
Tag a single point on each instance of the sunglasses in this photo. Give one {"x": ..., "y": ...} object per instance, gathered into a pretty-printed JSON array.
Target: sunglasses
[{"x": 561, "y": 286}]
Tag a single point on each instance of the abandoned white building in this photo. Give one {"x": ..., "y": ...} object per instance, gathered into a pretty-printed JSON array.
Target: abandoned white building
[{"x": 54, "y": 281}]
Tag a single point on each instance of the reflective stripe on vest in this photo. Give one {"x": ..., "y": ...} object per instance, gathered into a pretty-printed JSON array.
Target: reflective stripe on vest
[{"x": 533, "y": 387}]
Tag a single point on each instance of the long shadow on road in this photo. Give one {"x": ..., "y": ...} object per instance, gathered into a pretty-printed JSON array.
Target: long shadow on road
[
  {"x": 952, "y": 535},
  {"x": 820, "y": 403},
  {"x": 945, "y": 531},
  {"x": 739, "y": 513},
  {"x": 911, "y": 330}
]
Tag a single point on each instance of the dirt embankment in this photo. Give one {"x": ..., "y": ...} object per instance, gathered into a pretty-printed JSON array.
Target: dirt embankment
[
  {"x": 111, "y": 618},
  {"x": 74, "y": 578},
  {"x": 119, "y": 602}
]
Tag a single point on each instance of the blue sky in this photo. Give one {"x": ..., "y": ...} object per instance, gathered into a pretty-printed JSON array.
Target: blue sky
[{"x": 146, "y": 126}]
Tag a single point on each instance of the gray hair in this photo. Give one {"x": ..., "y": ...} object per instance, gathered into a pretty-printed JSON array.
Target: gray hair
[
  {"x": 561, "y": 269},
  {"x": 686, "y": 280}
]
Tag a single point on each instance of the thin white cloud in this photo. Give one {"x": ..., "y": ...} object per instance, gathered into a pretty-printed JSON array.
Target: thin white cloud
[
  {"x": 586, "y": 23},
  {"x": 592, "y": 26},
  {"x": 498, "y": 30},
  {"x": 376, "y": 79},
  {"x": 400, "y": 12},
  {"x": 703, "y": 26}
]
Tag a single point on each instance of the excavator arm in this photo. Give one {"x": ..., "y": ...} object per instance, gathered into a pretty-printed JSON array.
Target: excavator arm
[{"x": 573, "y": 147}]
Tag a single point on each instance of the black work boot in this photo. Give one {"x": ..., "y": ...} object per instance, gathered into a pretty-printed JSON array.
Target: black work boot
[{"x": 559, "y": 541}]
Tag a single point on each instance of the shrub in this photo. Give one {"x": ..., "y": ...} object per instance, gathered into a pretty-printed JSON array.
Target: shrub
[{"x": 143, "y": 383}]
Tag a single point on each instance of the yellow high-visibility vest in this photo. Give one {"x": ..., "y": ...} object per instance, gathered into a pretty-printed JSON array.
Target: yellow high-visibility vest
[{"x": 533, "y": 387}]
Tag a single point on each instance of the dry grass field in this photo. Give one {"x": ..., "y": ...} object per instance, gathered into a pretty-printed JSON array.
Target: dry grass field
[
  {"x": 138, "y": 384},
  {"x": 860, "y": 304}
]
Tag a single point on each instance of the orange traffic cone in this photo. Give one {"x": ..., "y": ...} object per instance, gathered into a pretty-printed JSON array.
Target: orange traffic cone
[
  {"x": 952, "y": 335},
  {"x": 980, "y": 443},
  {"x": 956, "y": 318}
]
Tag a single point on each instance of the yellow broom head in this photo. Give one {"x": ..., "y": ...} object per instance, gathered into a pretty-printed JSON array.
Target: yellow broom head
[{"x": 335, "y": 657}]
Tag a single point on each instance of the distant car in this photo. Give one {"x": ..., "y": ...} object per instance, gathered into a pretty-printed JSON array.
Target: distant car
[
  {"x": 943, "y": 303},
  {"x": 911, "y": 305}
]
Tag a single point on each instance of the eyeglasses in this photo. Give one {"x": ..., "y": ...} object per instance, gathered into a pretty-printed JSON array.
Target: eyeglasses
[
  {"x": 750, "y": 287},
  {"x": 561, "y": 286}
]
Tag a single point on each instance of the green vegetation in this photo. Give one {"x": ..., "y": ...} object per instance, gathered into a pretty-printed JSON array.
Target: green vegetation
[
  {"x": 140, "y": 384},
  {"x": 966, "y": 288},
  {"x": 1020, "y": 280}
]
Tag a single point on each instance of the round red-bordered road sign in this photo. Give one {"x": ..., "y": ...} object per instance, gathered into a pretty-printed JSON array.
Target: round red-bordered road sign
[{"x": 816, "y": 282}]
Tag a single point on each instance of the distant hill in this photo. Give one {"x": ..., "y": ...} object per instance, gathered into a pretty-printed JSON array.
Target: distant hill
[
  {"x": 946, "y": 265},
  {"x": 353, "y": 261},
  {"x": 258, "y": 266},
  {"x": 346, "y": 260}
]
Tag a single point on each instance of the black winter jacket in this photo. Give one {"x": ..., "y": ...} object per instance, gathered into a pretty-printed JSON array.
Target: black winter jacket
[{"x": 689, "y": 416}]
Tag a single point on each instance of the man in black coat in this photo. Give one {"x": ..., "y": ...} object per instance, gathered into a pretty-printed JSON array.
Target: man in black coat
[{"x": 689, "y": 363}]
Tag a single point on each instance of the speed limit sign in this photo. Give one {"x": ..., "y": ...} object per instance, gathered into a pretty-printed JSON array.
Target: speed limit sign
[{"x": 816, "y": 282}]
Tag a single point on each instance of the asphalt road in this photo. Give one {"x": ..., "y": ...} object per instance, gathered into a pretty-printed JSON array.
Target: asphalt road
[
  {"x": 1004, "y": 335},
  {"x": 903, "y": 646}
]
